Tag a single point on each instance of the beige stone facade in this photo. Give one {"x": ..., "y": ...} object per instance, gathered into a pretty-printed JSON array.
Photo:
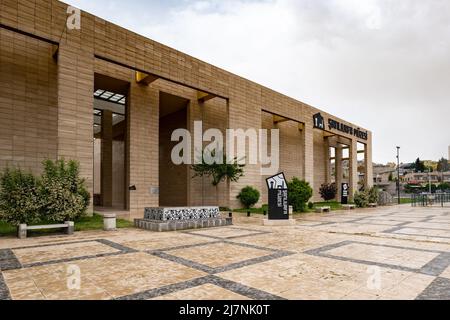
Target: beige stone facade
[{"x": 48, "y": 76}]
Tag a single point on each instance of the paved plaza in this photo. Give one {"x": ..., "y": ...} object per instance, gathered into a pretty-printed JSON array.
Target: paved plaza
[{"x": 395, "y": 252}]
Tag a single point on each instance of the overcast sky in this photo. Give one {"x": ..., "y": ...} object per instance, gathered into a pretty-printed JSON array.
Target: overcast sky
[{"x": 382, "y": 64}]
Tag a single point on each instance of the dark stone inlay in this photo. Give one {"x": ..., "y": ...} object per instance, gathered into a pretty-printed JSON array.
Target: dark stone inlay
[
  {"x": 164, "y": 254},
  {"x": 396, "y": 228},
  {"x": 439, "y": 289},
  {"x": 4, "y": 291},
  {"x": 435, "y": 267},
  {"x": 117, "y": 246},
  {"x": 13, "y": 263},
  {"x": 8, "y": 260},
  {"x": 53, "y": 244},
  {"x": 235, "y": 287},
  {"x": 252, "y": 233}
]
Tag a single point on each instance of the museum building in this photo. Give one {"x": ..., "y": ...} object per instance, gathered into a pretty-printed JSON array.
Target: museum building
[{"x": 110, "y": 99}]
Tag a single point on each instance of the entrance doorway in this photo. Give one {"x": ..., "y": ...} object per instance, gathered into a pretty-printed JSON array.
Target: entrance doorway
[{"x": 110, "y": 130}]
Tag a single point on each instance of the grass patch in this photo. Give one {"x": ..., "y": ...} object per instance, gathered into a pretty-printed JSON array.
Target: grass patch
[
  {"x": 261, "y": 210},
  {"x": 404, "y": 200},
  {"x": 333, "y": 204},
  {"x": 83, "y": 224}
]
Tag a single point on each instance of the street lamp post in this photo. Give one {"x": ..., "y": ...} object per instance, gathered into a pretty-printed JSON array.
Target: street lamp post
[{"x": 398, "y": 174}]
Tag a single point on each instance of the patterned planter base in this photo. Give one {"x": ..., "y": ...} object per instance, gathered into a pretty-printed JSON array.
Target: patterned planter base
[{"x": 173, "y": 225}]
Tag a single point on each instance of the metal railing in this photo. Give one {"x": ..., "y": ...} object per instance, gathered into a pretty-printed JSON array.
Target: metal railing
[{"x": 430, "y": 199}]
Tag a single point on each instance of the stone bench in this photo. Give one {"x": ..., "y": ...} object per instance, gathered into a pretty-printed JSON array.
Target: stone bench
[
  {"x": 348, "y": 206},
  {"x": 323, "y": 209},
  {"x": 23, "y": 228},
  {"x": 372, "y": 205}
]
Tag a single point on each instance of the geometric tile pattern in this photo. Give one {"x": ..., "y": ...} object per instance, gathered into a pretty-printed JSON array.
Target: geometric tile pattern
[{"x": 324, "y": 256}]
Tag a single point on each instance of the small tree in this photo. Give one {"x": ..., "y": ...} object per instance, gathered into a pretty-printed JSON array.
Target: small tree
[
  {"x": 224, "y": 171},
  {"x": 443, "y": 165},
  {"x": 419, "y": 166},
  {"x": 328, "y": 191},
  {"x": 19, "y": 198},
  {"x": 249, "y": 196},
  {"x": 299, "y": 194},
  {"x": 391, "y": 177}
]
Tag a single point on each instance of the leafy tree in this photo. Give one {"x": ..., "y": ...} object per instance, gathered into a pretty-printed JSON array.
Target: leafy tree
[
  {"x": 391, "y": 177},
  {"x": 249, "y": 196},
  {"x": 419, "y": 166},
  {"x": 444, "y": 186},
  {"x": 299, "y": 194},
  {"x": 219, "y": 172},
  {"x": 328, "y": 191},
  {"x": 443, "y": 165}
]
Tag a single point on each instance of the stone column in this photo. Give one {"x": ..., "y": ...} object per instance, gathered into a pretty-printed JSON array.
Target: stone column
[
  {"x": 338, "y": 170},
  {"x": 76, "y": 99},
  {"x": 327, "y": 160},
  {"x": 353, "y": 168},
  {"x": 308, "y": 154},
  {"x": 143, "y": 148},
  {"x": 368, "y": 162},
  {"x": 107, "y": 158}
]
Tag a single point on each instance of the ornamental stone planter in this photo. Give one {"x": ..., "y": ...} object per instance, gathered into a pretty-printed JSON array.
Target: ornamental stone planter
[
  {"x": 181, "y": 218},
  {"x": 109, "y": 222}
]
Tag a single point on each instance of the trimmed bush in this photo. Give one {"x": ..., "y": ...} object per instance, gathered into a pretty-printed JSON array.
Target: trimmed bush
[
  {"x": 248, "y": 196},
  {"x": 373, "y": 195},
  {"x": 19, "y": 197},
  {"x": 361, "y": 199},
  {"x": 62, "y": 191},
  {"x": 328, "y": 191},
  {"x": 310, "y": 205},
  {"x": 299, "y": 194}
]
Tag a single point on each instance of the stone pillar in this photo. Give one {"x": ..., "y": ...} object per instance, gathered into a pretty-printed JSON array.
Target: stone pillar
[
  {"x": 368, "y": 162},
  {"x": 76, "y": 99},
  {"x": 308, "y": 154},
  {"x": 353, "y": 168},
  {"x": 143, "y": 148},
  {"x": 338, "y": 170},
  {"x": 107, "y": 158},
  {"x": 327, "y": 160}
]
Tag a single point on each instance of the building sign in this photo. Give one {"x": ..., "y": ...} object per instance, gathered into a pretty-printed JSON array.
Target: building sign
[
  {"x": 344, "y": 193},
  {"x": 319, "y": 123},
  {"x": 278, "y": 197}
]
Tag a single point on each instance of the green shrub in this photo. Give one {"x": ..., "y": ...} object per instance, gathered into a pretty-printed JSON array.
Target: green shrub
[
  {"x": 373, "y": 194},
  {"x": 249, "y": 196},
  {"x": 62, "y": 191},
  {"x": 299, "y": 194},
  {"x": 328, "y": 191},
  {"x": 361, "y": 199},
  {"x": 19, "y": 198},
  {"x": 310, "y": 205}
]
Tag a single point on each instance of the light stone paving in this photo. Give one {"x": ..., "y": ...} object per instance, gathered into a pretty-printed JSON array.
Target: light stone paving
[{"x": 384, "y": 253}]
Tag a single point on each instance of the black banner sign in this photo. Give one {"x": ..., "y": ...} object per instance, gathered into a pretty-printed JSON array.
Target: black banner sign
[
  {"x": 278, "y": 197},
  {"x": 344, "y": 193}
]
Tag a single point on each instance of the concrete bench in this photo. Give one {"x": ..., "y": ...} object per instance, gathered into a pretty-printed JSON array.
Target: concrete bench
[
  {"x": 323, "y": 209},
  {"x": 373, "y": 205},
  {"x": 348, "y": 206},
  {"x": 23, "y": 228}
]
